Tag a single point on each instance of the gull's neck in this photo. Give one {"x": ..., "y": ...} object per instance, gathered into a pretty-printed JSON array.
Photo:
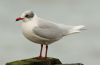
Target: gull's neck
[{"x": 35, "y": 18}]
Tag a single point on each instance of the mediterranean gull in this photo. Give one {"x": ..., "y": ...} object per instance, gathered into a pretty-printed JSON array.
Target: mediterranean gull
[{"x": 43, "y": 31}]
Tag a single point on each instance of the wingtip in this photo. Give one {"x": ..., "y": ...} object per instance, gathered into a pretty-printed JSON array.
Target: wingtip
[{"x": 82, "y": 27}]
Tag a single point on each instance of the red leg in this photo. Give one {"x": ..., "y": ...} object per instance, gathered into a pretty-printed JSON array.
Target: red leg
[
  {"x": 46, "y": 51},
  {"x": 41, "y": 51}
]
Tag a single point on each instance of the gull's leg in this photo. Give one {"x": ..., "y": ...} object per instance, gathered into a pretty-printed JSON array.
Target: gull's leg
[
  {"x": 41, "y": 51},
  {"x": 46, "y": 51}
]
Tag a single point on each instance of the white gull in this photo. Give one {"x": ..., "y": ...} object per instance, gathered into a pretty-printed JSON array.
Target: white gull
[{"x": 43, "y": 31}]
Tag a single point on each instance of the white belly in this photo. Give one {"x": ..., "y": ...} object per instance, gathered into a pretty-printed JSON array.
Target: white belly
[{"x": 29, "y": 34}]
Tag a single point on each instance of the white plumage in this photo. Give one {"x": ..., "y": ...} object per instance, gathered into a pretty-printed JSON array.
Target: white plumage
[{"x": 42, "y": 31}]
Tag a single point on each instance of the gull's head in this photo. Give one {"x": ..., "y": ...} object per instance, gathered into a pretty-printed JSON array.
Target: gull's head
[{"x": 26, "y": 16}]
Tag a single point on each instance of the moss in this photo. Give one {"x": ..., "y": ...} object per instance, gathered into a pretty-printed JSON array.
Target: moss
[
  {"x": 43, "y": 61},
  {"x": 71, "y": 64},
  {"x": 35, "y": 61}
]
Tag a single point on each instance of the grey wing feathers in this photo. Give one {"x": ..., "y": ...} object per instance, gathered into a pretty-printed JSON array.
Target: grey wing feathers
[
  {"x": 47, "y": 30},
  {"x": 46, "y": 24},
  {"x": 46, "y": 33}
]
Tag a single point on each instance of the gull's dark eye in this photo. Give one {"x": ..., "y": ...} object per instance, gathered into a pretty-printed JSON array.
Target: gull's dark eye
[{"x": 29, "y": 15}]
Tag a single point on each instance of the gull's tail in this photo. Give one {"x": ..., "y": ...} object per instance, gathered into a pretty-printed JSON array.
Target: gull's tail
[{"x": 77, "y": 29}]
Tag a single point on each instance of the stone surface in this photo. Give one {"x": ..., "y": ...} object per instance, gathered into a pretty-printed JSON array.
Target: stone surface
[
  {"x": 35, "y": 61},
  {"x": 71, "y": 64},
  {"x": 43, "y": 61}
]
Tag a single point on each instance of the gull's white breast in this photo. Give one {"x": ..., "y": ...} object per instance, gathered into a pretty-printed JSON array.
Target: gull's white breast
[{"x": 27, "y": 28}]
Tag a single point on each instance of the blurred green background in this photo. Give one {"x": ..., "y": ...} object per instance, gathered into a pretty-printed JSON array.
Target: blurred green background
[{"x": 83, "y": 47}]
